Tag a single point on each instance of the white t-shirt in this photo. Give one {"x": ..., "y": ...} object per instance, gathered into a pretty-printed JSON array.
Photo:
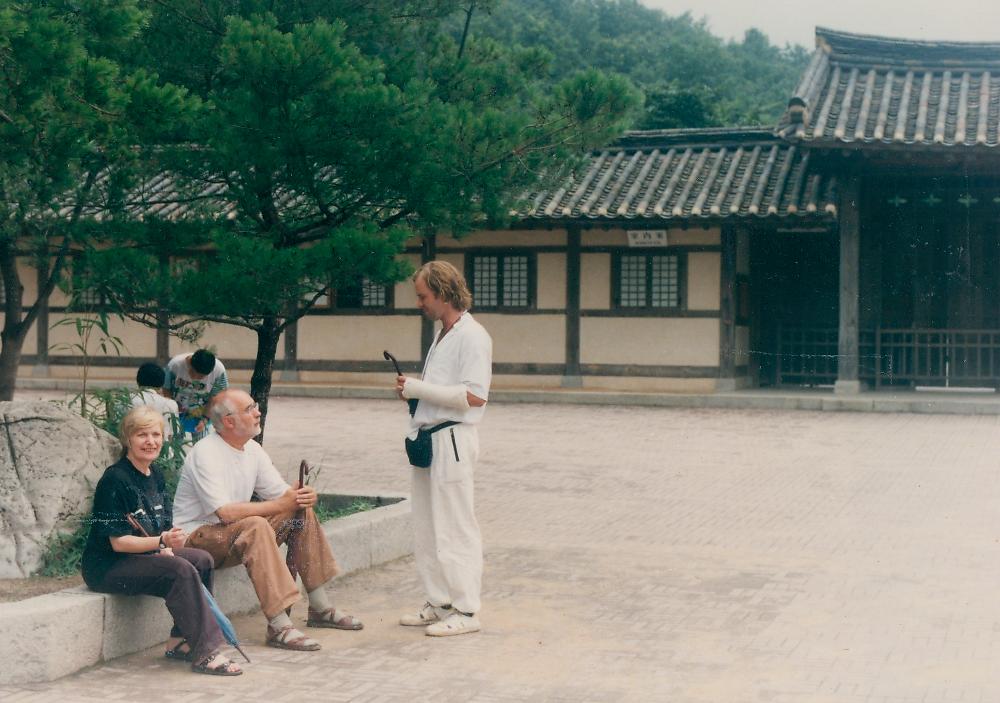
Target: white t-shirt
[
  {"x": 215, "y": 474},
  {"x": 165, "y": 406},
  {"x": 465, "y": 356},
  {"x": 192, "y": 395}
]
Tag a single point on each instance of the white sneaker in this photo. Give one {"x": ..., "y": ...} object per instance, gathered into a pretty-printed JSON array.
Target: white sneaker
[
  {"x": 455, "y": 624},
  {"x": 425, "y": 616}
]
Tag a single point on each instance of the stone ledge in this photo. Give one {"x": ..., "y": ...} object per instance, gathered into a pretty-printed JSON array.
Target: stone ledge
[{"x": 102, "y": 627}]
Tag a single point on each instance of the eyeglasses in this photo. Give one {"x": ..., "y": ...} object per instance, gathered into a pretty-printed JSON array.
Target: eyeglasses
[{"x": 248, "y": 409}]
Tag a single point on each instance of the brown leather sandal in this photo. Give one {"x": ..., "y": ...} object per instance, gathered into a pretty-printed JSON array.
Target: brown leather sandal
[
  {"x": 281, "y": 639},
  {"x": 178, "y": 652},
  {"x": 333, "y": 618},
  {"x": 223, "y": 666}
]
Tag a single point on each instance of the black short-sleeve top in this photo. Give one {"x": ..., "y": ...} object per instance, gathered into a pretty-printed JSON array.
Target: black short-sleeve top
[{"x": 123, "y": 489}]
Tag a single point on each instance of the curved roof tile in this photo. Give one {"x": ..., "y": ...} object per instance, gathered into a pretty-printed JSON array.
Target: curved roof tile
[
  {"x": 689, "y": 174},
  {"x": 878, "y": 90}
]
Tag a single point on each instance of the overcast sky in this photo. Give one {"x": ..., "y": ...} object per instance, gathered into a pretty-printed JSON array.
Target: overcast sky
[{"x": 793, "y": 22}]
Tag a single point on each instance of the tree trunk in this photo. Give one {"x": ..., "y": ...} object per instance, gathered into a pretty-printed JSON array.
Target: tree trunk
[
  {"x": 10, "y": 360},
  {"x": 268, "y": 335},
  {"x": 14, "y": 328},
  {"x": 17, "y": 321}
]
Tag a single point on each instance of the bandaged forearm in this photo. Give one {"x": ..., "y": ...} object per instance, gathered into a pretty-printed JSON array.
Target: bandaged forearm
[{"x": 449, "y": 396}]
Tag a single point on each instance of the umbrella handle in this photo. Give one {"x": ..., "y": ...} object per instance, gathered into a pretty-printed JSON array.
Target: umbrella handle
[{"x": 395, "y": 364}]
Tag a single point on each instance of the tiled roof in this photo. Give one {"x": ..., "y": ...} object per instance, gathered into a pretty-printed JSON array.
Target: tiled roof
[
  {"x": 166, "y": 196},
  {"x": 690, "y": 174},
  {"x": 867, "y": 89}
]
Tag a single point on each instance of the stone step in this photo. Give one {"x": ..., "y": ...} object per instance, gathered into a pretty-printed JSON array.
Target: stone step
[{"x": 56, "y": 634}]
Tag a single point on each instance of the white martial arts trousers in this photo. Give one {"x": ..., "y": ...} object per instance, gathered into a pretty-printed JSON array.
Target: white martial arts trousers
[{"x": 447, "y": 545}]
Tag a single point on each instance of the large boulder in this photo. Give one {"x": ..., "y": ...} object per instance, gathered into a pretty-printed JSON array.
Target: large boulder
[{"x": 50, "y": 462}]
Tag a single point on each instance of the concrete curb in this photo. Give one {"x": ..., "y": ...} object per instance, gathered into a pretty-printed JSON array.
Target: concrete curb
[
  {"x": 63, "y": 632},
  {"x": 945, "y": 403}
]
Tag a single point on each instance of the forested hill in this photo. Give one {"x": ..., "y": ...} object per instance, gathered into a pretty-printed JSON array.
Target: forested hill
[{"x": 691, "y": 77}]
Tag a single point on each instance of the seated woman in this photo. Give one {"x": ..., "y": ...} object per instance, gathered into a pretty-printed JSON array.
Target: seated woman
[{"x": 118, "y": 557}]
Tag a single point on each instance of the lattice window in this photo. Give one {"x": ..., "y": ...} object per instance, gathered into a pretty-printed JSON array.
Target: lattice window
[
  {"x": 501, "y": 281},
  {"x": 649, "y": 281},
  {"x": 373, "y": 295},
  {"x": 362, "y": 295},
  {"x": 486, "y": 280},
  {"x": 82, "y": 296}
]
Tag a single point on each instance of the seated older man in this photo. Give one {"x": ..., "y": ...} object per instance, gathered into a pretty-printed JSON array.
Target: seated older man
[{"x": 213, "y": 504}]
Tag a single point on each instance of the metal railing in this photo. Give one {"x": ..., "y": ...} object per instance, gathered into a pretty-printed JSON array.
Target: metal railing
[
  {"x": 806, "y": 356},
  {"x": 958, "y": 358},
  {"x": 938, "y": 357}
]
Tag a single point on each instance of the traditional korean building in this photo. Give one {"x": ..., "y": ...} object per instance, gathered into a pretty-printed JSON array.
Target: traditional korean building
[{"x": 856, "y": 243}]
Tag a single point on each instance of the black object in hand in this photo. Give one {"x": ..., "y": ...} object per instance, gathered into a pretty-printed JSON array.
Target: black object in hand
[
  {"x": 412, "y": 402},
  {"x": 395, "y": 364}
]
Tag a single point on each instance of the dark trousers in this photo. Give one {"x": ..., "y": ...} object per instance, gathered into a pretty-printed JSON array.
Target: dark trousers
[{"x": 177, "y": 579}]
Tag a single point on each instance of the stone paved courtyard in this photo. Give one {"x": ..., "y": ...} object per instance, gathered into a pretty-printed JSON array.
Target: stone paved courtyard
[{"x": 643, "y": 554}]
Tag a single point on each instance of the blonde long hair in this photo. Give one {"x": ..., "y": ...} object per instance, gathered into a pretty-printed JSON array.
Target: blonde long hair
[{"x": 446, "y": 282}]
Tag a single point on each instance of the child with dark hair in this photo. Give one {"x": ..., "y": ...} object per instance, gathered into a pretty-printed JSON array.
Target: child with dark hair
[
  {"x": 192, "y": 380},
  {"x": 150, "y": 378}
]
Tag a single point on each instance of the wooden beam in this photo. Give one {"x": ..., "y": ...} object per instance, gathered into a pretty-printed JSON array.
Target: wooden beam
[
  {"x": 162, "y": 338},
  {"x": 727, "y": 310},
  {"x": 41, "y": 367},
  {"x": 290, "y": 367},
  {"x": 571, "y": 379},
  {"x": 428, "y": 252},
  {"x": 850, "y": 249}
]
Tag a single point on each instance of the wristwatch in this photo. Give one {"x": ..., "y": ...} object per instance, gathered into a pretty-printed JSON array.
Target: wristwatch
[{"x": 162, "y": 543}]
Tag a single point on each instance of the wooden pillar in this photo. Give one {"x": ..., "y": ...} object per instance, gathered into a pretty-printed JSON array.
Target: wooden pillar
[
  {"x": 571, "y": 375},
  {"x": 41, "y": 367},
  {"x": 727, "y": 311},
  {"x": 870, "y": 304},
  {"x": 162, "y": 338},
  {"x": 290, "y": 368},
  {"x": 163, "y": 320},
  {"x": 848, "y": 214},
  {"x": 428, "y": 252}
]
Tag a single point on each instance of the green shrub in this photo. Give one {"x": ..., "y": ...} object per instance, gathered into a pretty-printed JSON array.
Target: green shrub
[
  {"x": 106, "y": 409},
  {"x": 64, "y": 551}
]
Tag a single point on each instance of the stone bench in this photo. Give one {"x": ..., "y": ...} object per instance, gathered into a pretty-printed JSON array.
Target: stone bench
[{"x": 56, "y": 634}]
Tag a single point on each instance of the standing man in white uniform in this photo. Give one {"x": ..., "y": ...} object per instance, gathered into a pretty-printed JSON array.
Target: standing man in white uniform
[{"x": 453, "y": 389}]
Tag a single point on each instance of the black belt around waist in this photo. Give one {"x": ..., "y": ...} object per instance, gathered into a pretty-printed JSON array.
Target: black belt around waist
[{"x": 443, "y": 425}]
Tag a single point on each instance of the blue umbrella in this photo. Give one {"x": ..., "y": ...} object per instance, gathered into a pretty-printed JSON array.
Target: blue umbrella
[{"x": 228, "y": 631}]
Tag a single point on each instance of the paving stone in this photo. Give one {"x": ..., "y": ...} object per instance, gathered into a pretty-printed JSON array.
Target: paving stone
[{"x": 688, "y": 555}]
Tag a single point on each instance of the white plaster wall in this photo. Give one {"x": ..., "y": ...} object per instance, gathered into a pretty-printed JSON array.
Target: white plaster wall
[
  {"x": 667, "y": 341},
  {"x": 536, "y": 339},
  {"x": 359, "y": 338},
  {"x": 675, "y": 237},
  {"x": 226, "y": 341},
  {"x": 595, "y": 281},
  {"x": 551, "y": 281},
  {"x": 505, "y": 239},
  {"x": 703, "y": 280}
]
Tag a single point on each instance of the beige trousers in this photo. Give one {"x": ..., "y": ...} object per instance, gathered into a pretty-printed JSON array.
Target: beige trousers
[
  {"x": 253, "y": 542},
  {"x": 447, "y": 545}
]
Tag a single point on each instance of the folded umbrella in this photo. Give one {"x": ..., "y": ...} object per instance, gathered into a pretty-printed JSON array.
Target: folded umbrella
[
  {"x": 297, "y": 523},
  {"x": 228, "y": 631}
]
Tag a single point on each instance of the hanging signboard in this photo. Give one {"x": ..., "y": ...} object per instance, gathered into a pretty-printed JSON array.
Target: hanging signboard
[{"x": 647, "y": 237}]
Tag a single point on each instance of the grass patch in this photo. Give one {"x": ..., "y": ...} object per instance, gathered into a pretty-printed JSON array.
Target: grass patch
[
  {"x": 358, "y": 505},
  {"x": 64, "y": 552}
]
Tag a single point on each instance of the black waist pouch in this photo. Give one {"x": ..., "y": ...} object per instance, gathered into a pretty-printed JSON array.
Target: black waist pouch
[{"x": 420, "y": 451}]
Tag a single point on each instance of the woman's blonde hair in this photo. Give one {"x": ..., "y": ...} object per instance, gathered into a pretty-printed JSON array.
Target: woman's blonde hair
[
  {"x": 139, "y": 418},
  {"x": 446, "y": 282}
]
